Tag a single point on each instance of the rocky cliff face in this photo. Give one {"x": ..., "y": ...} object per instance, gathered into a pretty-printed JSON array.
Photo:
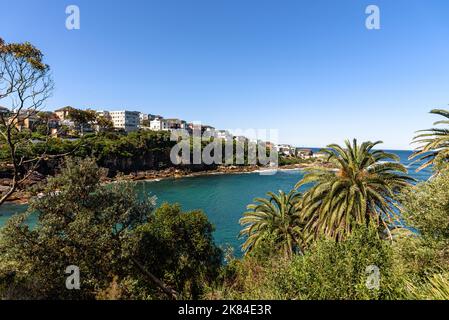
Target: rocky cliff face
[
  {"x": 154, "y": 161},
  {"x": 151, "y": 164},
  {"x": 147, "y": 161}
]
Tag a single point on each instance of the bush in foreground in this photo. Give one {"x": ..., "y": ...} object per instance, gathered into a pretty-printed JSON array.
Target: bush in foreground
[
  {"x": 124, "y": 249},
  {"x": 328, "y": 270}
]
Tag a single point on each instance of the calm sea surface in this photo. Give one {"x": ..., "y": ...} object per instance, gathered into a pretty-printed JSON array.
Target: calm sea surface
[{"x": 222, "y": 197}]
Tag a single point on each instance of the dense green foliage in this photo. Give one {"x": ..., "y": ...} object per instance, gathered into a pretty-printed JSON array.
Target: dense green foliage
[
  {"x": 362, "y": 189},
  {"x": 109, "y": 233},
  {"x": 111, "y": 148},
  {"x": 285, "y": 161},
  {"x": 341, "y": 239},
  {"x": 436, "y": 287},
  {"x": 110, "y": 145},
  {"x": 178, "y": 248},
  {"x": 277, "y": 217},
  {"x": 426, "y": 209},
  {"x": 100, "y": 146},
  {"x": 329, "y": 270},
  {"x": 413, "y": 263},
  {"x": 335, "y": 241}
]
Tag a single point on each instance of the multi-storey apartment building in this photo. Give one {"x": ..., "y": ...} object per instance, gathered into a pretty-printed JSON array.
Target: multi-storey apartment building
[{"x": 123, "y": 119}]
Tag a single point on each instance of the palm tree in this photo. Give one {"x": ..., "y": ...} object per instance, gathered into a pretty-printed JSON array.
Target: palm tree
[
  {"x": 360, "y": 190},
  {"x": 433, "y": 143},
  {"x": 277, "y": 217},
  {"x": 435, "y": 288}
]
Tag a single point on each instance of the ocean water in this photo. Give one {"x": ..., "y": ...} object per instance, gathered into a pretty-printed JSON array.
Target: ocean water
[{"x": 222, "y": 197}]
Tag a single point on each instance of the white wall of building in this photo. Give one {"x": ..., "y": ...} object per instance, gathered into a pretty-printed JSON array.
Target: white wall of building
[
  {"x": 158, "y": 124},
  {"x": 127, "y": 120}
]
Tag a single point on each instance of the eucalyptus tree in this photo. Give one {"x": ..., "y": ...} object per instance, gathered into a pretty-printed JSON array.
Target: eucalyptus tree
[
  {"x": 276, "y": 218},
  {"x": 25, "y": 86},
  {"x": 433, "y": 144},
  {"x": 362, "y": 188},
  {"x": 82, "y": 118}
]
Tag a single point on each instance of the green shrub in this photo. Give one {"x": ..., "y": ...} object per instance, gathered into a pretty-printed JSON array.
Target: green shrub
[
  {"x": 435, "y": 288},
  {"x": 117, "y": 240},
  {"x": 178, "y": 248},
  {"x": 329, "y": 270},
  {"x": 425, "y": 209}
]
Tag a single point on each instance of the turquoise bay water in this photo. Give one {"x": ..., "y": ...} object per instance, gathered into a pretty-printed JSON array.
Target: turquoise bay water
[{"x": 222, "y": 197}]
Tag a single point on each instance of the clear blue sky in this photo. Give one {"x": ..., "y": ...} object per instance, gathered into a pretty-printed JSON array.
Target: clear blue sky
[{"x": 308, "y": 68}]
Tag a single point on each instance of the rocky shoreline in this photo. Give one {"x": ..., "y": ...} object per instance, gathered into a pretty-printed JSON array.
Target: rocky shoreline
[
  {"x": 174, "y": 173},
  {"x": 22, "y": 197}
]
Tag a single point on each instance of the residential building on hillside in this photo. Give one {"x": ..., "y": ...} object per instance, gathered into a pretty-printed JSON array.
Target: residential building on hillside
[
  {"x": 207, "y": 129},
  {"x": 159, "y": 124},
  {"x": 193, "y": 126},
  {"x": 124, "y": 119},
  {"x": 50, "y": 118},
  {"x": 199, "y": 127},
  {"x": 176, "y": 124},
  {"x": 241, "y": 139},
  {"x": 143, "y": 117},
  {"x": 63, "y": 116},
  {"x": 148, "y": 117},
  {"x": 25, "y": 120},
  {"x": 104, "y": 114},
  {"x": 269, "y": 144},
  {"x": 5, "y": 112},
  {"x": 285, "y": 149},
  {"x": 63, "y": 113},
  {"x": 304, "y": 153},
  {"x": 224, "y": 135}
]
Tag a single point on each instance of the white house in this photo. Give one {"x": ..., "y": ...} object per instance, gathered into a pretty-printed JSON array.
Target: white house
[
  {"x": 285, "y": 149},
  {"x": 159, "y": 124}
]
